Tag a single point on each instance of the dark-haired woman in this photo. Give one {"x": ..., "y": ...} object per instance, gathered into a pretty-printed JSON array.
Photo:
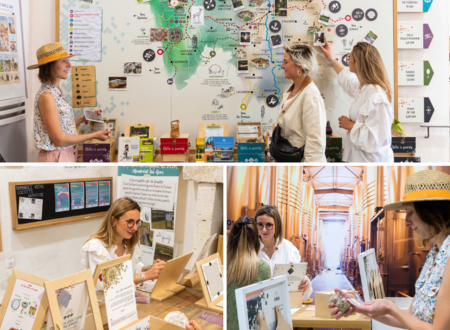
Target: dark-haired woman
[
  {"x": 55, "y": 132},
  {"x": 274, "y": 248},
  {"x": 243, "y": 265},
  {"x": 117, "y": 236},
  {"x": 370, "y": 116},
  {"x": 427, "y": 203}
]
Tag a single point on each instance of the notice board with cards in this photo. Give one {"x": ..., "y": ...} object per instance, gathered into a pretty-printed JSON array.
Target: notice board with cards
[
  {"x": 37, "y": 204},
  {"x": 181, "y": 61}
]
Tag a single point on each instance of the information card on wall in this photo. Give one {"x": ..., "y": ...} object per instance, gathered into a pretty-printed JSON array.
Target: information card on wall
[
  {"x": 414, "y": 73},
  {"x": 83, "y": 86},
  {"x": 415, "y": 110},
  {"x": 155, "y": 189},
  {"x": 118, "y": 287},
  {"x": 23, "y": 306},
  {"x": 413, "y": 6}
]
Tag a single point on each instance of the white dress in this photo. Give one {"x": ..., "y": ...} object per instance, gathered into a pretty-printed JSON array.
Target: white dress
[
  {"x": 370, "y": 139},
  {"x": 94, "y": 252},
  {"x": 286, "y": 252}
]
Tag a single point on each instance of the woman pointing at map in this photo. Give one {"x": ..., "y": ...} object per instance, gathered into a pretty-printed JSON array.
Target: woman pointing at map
[{"x": 369, "y": 122}]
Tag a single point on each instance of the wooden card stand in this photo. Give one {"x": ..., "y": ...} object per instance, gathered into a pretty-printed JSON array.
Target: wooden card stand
[
  {"x": 321, "y": 302},
  {"x": 206, "y": 302},
  {"x": 166, "y": 286},
  {"x": 202, "y": 129},
  {"x": 128, "y": 129},
  {"x": 296, "y": 299},
  {"x": 190, "y": 281},
  {"x": 27, "y": 278},
  {"x": 52, "y": 286},
  {"x": 281, "y": 322},
  {"x": 158, "y": 324}
]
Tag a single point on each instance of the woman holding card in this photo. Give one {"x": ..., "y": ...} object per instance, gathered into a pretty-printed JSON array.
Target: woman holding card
[
  {"x": 370, "y": 117},
  {"x": 118, "y": 235},
  {"x": 274, "y": 248},
  {"x": 426, "y": 200},
  {"x": 301, "y": 116},
  {"x": 55, "y": 132},
  {"x": 243, "y": 265}
]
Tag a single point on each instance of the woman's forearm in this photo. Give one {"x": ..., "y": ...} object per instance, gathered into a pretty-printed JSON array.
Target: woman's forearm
[
  {"x": 337, "y": 67},
  {"x": 68, "y": 140},
  {"x": 391, "y": 321},
  {"x": 408, "y": 320}
]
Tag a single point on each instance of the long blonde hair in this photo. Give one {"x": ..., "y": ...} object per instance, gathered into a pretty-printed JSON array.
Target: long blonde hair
[
  {"x": 107, "y": 234},
  {"x": 242, "y": 252},
  {"x": 370, "y": 67}
]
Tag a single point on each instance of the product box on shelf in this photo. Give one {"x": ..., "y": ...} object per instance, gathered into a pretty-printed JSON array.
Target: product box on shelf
[
  {"x": 333, "y": 149},
  {"x": 223, "y": 147},
  {"x": 175, "y": 149},
  {"x": 97, "y": 151},
  {"x": 250, "y": 142},
  {"x": 200, "y": 150}
]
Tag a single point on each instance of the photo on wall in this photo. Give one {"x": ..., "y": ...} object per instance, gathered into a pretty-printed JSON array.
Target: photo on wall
[
  {"x": 162, "y": 220},
  {"x": 117, "y": 83},
  {"x": 147, "y": 235},
  {"x": 163, "y": 252}
]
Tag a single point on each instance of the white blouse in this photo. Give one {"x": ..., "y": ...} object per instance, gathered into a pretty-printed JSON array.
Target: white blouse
[
  {"x": 370, "y": 139},
  {"x": 303, "y": 122},
  {"x": 94, "y": 252},
  {"x": 286, "y": 252}
]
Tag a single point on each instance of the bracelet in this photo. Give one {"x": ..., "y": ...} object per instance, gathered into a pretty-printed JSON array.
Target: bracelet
[
  {"x": 331, "y": 61},
  {"x": 143, "y": 277}
]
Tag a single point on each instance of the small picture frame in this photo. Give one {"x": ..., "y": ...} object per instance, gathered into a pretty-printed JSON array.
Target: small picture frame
[
  {"x": 263, "y": 297},
  {"x": 139, "y": 130},
  {"x": 244, "y": 38},
  {"x": 212, "y": 283},
  {"x": 371, "y": 279}
]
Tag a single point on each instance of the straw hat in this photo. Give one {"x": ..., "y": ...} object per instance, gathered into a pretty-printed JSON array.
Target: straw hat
[
  {"x": 49, "y": 53},
  {"x": 424, "y": 186}
]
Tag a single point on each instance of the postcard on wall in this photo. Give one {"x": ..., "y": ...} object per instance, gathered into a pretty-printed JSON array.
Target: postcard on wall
[
  {"x": 165, "y": 237},
  {"x": 213, "y": 278},
  {"x": 73, "y": 306},
  {"x": 118, "y": 286},
  {"x": 146, "y": 239},
  {"x": 324, "y": 17},
  {"x": 91, "y": 194},
  {"x": 128, "y": 149},
  {"x": 30, "y": 208},
  {"x": 77, "y": 193},
  {"x": 62, "y": 198},
  {"x": 104, "y": 193},
  {"x": 237, "y": 4},
  {"x": 132, "y": 68},
  {"x": 203, "y": 253},
  {"x": 117, "y": 83},
  {"x": 23, "y": 306},
  {"x": 162, "y": 220},
  {"x": 295, "y": 273}
]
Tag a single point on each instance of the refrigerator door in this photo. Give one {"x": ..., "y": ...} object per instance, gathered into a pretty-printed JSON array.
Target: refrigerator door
[
  {"x": 12, "y": 59},
  {"x": 13, "y": 135}
]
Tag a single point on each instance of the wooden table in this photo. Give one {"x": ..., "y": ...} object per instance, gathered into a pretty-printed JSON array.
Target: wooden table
[{"x": 307, "y": 319}]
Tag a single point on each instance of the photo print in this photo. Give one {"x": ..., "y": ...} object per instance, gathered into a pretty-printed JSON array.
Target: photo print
[
  {"x": 147, "y": 235},
  {"x": 163, "y": 252},
  {"x": 276, "y": 41},
  {"x": 324, "y": 17},
  {"x": 14, "y": 62},
  {"x": 319, "y": 38},
  {"x": 371, "y": 279},
  {"x": 370, "y": 37},
  {"x": 4, "y": 35},
  {"x": 12, "y": 25},
  {"x": 237, "y": 4},
  {"x": 162, "y": 220},
  {"x": 132, "y": 68},
  {"x": 242, "y": 66},
  {"x": 93, "y": 116},
  {"x": 140, "y": 131},
  {"x": 159, "y": 34},
  {"x": 281, "y": 8},
  {"x": 117, "y": 83},
  {"x": 244, "y": 38}
]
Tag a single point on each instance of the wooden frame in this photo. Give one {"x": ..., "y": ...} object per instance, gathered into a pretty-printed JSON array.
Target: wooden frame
[
  {"x": 57, "y": 13},
  {"x": 166, "y": 286},
  {"x": 128, "y": 128},
  {"x": 20, "y": 275},
  {"x": 63, "y": 282},
  {"x": 206, "y": 302},
  {"x": 202, "y": 129},
  {"x": 106, "y": 264},
  {"x": 112, "y": 136},
  {"x": 239, "y": 137},
  {"x": 46, "y": 223}
]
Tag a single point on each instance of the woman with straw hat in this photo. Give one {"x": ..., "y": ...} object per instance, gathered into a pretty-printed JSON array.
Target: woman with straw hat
[
  {"x": 55, "y": 133},
  {"x": 427, "y": 203}
]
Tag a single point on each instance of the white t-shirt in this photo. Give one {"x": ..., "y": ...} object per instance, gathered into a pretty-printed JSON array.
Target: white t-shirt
[
  {"x": 94, "y": 252},
  {"x": 370, "y": 139},
  {"x": 286, "y": 252}
]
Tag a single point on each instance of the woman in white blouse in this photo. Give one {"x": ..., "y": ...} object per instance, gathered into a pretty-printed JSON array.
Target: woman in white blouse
[
  {"x": 370, "y": 118},
  {"x": 117, "y": 236},
  {"x": 301, "y": 114},
  {"x": 274, "y": 248}
]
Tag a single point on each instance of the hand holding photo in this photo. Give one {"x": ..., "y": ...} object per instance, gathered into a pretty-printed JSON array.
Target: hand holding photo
[
  {"x": 93, "y": 116},
  {"x": 319, "y": 38}
]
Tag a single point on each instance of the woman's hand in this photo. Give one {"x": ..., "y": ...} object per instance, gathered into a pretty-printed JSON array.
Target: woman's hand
[
  {"x": 336, "y": 313},
  {"x": 345, "y": 123},
  {"x": 326, "y": 50},
  {"x": 102, "y": 135},
  {"x": 375, "y": 308},
  {"x": 155, "y": 270},
  {"x": 193, "y": 326},
  {"x": 303, "y": 285}
]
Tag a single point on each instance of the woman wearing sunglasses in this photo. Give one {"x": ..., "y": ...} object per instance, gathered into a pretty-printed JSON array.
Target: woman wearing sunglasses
[
  {"x": 117, "y": 236},
  {"x": 274, "y": 248},
  {"x": 370, "y": 117}
]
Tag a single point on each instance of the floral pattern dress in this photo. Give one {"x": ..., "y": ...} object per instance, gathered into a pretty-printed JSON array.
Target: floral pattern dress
[
  {"x": 42, "y": 140},
  {"x": 429, "y": 282}
]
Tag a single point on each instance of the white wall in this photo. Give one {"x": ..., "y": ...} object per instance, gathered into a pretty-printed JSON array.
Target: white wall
[
  {"x": 53, "y": 252},
  {"x": 436, "y": 148}
]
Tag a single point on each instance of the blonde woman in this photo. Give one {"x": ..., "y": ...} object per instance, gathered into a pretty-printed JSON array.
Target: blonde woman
[
  {"x": 243, "y": 265},
  {"x": 301, "y": 114},
  {"x": 117, "y": 236},
  {"x": 370, "y": 117}
]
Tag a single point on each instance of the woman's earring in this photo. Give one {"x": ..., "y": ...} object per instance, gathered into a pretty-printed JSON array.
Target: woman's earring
[{"x": 299, "y": 73}]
